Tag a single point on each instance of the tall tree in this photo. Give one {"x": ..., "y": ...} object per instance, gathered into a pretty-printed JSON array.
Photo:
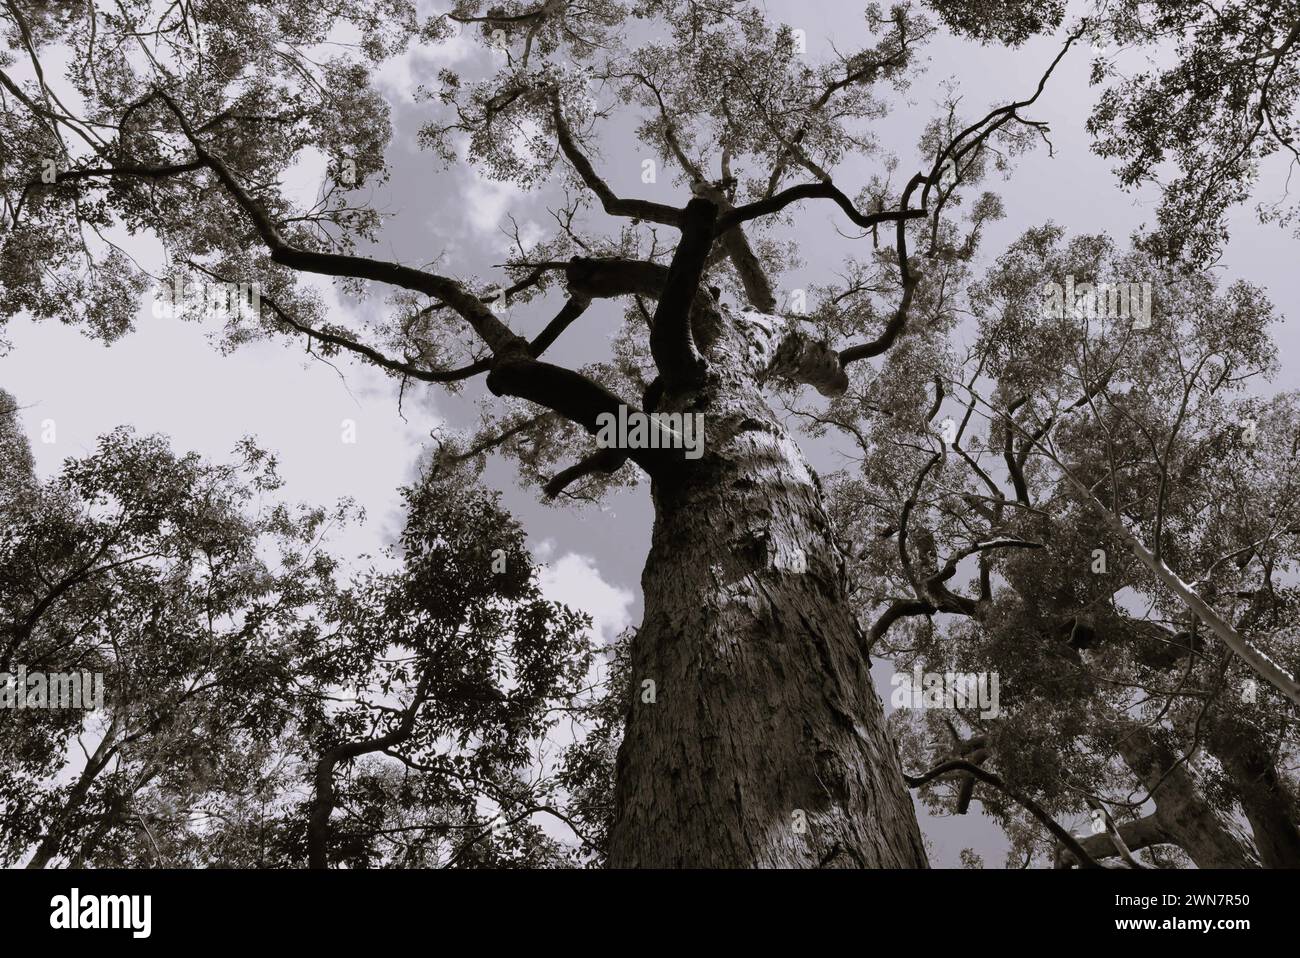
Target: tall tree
[
  {"x": 753, "y": 734},
  {"x": 757, "y": 666}
]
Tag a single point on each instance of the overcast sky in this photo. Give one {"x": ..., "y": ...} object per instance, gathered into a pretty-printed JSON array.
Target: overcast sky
[{"x": 167, "y": 377}]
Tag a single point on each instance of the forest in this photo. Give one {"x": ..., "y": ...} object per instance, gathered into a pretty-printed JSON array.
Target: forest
[{"x": 922, "y": 377}]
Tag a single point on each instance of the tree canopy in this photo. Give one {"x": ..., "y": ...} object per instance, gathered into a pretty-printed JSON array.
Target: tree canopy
[{"x": 1088, "y": 494}]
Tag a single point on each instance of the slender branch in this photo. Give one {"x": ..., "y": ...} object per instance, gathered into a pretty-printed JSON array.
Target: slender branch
[
  {"x": 1031, "y": 806},
  {"x": 613, "y": 204},
  {"x": 807, "y": 191},
  {"x": 894, "y": 328},
  {"x": 1113, "y": 833},
  {"x": 1264, "y": 666}
]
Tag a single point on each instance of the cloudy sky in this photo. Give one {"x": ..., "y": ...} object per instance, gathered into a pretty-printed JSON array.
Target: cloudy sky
[{"x": 167, "y": 376}]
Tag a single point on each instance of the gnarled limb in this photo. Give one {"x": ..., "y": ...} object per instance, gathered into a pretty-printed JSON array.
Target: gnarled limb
[
  {"x": 482, "y": 320},
  {"x": 783, "y": 351},
  {"x": 671, "y": 342},
  {"x": 604, "y": 461},
  {"x": 613, "y": 204},
  {"x": 609, "y": 277},
  {"x": 808, "y": 191},
  {"x": 894, "y": 328}
]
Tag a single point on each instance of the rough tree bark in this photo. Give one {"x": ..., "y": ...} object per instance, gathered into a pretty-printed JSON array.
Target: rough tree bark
[{"x": 765, "y": 744}]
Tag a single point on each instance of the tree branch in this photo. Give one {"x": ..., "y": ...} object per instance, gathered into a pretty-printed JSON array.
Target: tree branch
[
  {"x": 482, "y": 320},
  {"x": 808, "y": 191},
  {"x": 1136, "y": 834},
  {"x": 671, "y": 342},
  {"x": 1031, "y": 806},
  {"x": 605, "y": 461},
  {"x": 613, "y": 204},
  {"x": 894, "y": 328}
]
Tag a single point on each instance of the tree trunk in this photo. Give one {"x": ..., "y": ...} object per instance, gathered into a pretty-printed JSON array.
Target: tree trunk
[
  {"x": 1264, "y": 798},
  {"x": 762, "y": 741},
  {"x": 1211, "y": 839},
  {"x": 98, "y": 761}
]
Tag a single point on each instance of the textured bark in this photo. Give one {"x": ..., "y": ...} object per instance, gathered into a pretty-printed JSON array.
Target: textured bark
[
  {"x": 1269, "y": 806},
  {"x": 1210, "y": 838},
  {"x": 786, "y": 352},
  {"x": 766, "y": 743}
]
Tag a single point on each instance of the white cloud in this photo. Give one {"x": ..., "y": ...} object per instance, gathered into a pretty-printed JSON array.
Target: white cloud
[
  {"x": 530, "y": 234},
  {"x": 302, "y": 181},
  {"x": 400, "y": 76},
  {"x": 574, "y": 580},
  {"x": 486, "y": 202},
  {"x": 205, "y": 402}
]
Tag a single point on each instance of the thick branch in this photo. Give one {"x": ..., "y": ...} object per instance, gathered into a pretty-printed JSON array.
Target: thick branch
[
  {"x": 572, "y": 395},
  {"x": 735, "y": 244},
  {"x": 1136, "y": 835},
  {"x": 604, "y": 461},
  {"x": 898, "y": 609},
  {"x": 671, "y": 342}
]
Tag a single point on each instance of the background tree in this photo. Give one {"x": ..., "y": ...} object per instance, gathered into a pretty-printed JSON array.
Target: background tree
[
  {"x": 258, "y": 710},
  {"x": 1197, "y": 100},
  {"x": 456, "y": 668},
  {"x": 146, "y": 567},
  {"x": 1220, "y": 111},
  {"x": 1110, "y": 684}
]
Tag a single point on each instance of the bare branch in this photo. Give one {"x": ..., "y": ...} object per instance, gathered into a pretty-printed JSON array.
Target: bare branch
[
  {"x": 613, "y": 204},
  {"x": 671, "y": 343},
  {"x": 1031, "y": 806}
]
